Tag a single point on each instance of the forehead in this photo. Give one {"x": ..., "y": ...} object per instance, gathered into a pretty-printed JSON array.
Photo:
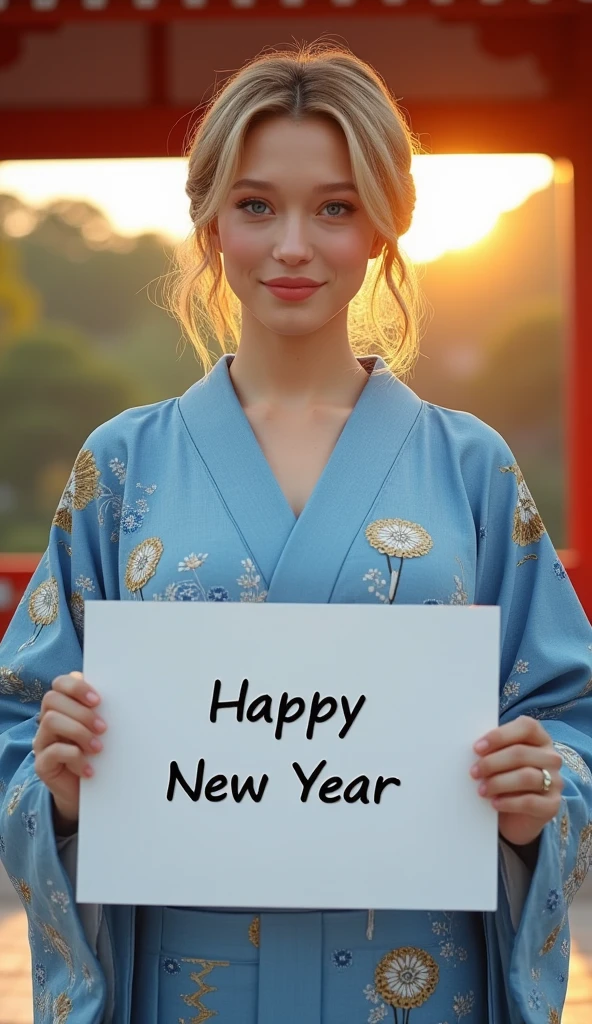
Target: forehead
[{"x": 312, "y": 147}]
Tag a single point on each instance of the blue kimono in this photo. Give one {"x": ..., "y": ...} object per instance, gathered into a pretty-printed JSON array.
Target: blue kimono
[{"x": 417, "y": 505}]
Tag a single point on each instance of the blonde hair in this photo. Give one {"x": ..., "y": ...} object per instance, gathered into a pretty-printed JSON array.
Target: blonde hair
[{"x": 315, "y": 79}]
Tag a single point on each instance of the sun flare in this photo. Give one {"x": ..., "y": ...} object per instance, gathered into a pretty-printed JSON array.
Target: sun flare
[{"x": 459, "y": 197}]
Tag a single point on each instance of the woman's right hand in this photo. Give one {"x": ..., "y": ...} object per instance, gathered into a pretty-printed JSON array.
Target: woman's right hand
[{"x": 67, "y": 736}]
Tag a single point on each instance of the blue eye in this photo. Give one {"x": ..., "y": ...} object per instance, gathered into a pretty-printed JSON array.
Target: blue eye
[{"x": 244, "y": 203}]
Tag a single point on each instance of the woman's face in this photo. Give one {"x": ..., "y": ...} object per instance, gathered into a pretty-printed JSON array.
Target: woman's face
[{"x": 294, "y": 213}]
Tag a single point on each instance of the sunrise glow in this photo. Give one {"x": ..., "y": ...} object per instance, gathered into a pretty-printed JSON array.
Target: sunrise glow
[{"x": 459, "y": 197}]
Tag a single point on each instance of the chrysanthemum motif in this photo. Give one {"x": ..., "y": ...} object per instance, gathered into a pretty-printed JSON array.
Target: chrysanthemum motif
[
  {"x": 77, "y": 613},
  {"x": 574, "y": 762},
  {"x": 528, "y": 525},
  {"x": 142, "y": 564},
  {"x": 44, "y": 603},
  {"x": 85, "y": 479},
  {"x": 40, "y": 974},
  {"x": 255, "y": 931},
  {"x": 170, "y": 965},
  {"x": 399, "y": 538},
  {"x": 218, "y": 594},
  {"x": 62, "y": 1008},
  {"x": 406, "y": 977},
  {"x": 10, "y": 682},
  {"x": 23, "y": 889}
]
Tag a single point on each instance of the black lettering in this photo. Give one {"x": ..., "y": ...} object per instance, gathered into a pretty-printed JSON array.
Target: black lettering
[
  {"x": 283, "y": 713},
  {"x": 307, "y": 784},
  {"x": 253, "y": 715},
  {"x": 238, "y": 704},
  {"x": 249, "y": 786},
  {"x": 360, "y": 783},
  {"x": 176, "y": 776},
  {"x": 315, "y": 712},
  {"x": 350, "y": 716},
  {"x": 330, "y": 786},
  {"x": 216, "y": 783},
  {"x": 381, "y": 784}
]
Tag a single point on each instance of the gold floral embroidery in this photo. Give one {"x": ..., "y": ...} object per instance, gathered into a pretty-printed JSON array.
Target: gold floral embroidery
[
  {"x": 553, "y": 1017},
  {"x": 15, "y": 798},
  {"x": 22, "y": 888},
  {"x": 551, "y": 940},
  {"x": 255, "y": 931},
  {"x": 528, "y": 525},
  {"x": 527, "y": 558},
  {"x": 564, "y": 828},
  {"x": 77, "y": 613},
  {"x": 406, "y": 977},
  {"x": 194, "y": 1000},
  {"x": 11, "y": 684},
  {"x": 401, "y": 539},
  {"x": 43, "y": 607},
  {"x": 574, "y": 880},
  {"x": 574, "y": 762},
  {"x": 42, "y": 1002},
  {"x": 142, "y": 564},
  {"x": 59, "y": 944},
  {"x": 80, "y": 490},
  {"x": 62, "y": 1008}
]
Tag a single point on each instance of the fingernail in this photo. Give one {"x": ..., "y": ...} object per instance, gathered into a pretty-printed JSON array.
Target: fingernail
[
  {"x": 96, "y": 744},
  {"x": 475, "y": 771},
  {"x": 481, "y": 745},
  {"x": 92, "y": 698},
  {"x": 99, "y": 724},
  {"x": 483, "y": 789},
  {"x": 88, "y": 770}
]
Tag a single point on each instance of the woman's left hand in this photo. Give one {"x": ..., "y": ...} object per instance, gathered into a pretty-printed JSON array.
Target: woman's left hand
[{"x": 509, "y": 774}]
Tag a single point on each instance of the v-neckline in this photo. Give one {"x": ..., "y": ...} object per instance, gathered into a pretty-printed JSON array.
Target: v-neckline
[
  {"x": 369, "y": 442},
  {"x": 368, "y": 364}
]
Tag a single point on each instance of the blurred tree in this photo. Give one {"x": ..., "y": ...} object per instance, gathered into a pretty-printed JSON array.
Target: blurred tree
[
  {"x": 19, "y": 302},
  {"x": 54, "y": 390}
]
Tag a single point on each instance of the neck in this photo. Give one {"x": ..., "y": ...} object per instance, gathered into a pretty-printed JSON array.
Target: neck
[{"x": 304, "y": 370}]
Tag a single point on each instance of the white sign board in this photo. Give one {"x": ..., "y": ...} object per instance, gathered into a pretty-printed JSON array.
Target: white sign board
[{"x": 290, "y": 756}]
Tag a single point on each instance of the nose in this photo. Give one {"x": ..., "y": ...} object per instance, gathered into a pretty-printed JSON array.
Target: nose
[{"x": 292, "y": 244}]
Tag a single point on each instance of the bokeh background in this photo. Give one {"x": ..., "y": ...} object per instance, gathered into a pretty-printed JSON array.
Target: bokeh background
[{"x": 85, "y": 247}]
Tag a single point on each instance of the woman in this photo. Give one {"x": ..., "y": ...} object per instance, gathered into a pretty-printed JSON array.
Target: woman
[{"x": 296, "y": 471}]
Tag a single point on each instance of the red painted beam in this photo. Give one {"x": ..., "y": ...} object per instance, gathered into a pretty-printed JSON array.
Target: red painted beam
[{"x": 21, "y": 12}]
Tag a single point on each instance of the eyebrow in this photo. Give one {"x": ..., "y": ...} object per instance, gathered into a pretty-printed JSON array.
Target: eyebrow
[{"x": 268, "y": 186}]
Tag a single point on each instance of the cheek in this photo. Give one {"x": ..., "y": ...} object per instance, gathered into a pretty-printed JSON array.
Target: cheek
[
  {"x": 348, "y": 252},
  {"x": 241, "y": 248}
]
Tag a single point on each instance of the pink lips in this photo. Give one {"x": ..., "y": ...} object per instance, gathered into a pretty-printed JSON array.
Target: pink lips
[{"x": 293, "y": 289}]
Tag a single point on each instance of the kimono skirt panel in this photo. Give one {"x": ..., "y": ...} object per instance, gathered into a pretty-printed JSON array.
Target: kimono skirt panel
[{"x": 416, "y": 505}]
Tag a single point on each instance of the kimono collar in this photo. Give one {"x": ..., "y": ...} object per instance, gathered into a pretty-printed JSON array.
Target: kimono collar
[{"x": 283, "y": 546}]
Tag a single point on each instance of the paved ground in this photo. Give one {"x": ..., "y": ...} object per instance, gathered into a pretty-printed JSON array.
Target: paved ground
[{"x": 15, "y": 962}]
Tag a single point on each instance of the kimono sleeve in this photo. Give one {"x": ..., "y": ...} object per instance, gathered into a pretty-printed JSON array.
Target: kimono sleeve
[
  {"x": 546, "y": 668},
  {"x": 44, "y": 640}
]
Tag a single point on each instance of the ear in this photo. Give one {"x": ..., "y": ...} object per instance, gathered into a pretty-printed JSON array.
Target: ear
[{"x": 377, "y": 246}]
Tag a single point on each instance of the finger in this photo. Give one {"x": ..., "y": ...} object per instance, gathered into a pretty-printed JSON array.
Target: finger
[
  {"x": 76, "y": 686},
  {"x": 521, "y": 730},
  {"x": 525, "y": 780},
  {"x": 517, "y": 756},
  {"x": 543, "y": 807},
  {"x": 57, "y": 726},
  {"x": 54, "y": 700},
  {"x": 50, "y": 762}
]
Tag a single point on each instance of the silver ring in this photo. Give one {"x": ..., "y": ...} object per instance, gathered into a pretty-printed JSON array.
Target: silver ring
[{"x": 547, "y": 780}]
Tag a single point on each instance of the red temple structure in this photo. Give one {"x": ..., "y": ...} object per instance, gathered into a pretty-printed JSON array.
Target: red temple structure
[{"x": 122, "y": 78}]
